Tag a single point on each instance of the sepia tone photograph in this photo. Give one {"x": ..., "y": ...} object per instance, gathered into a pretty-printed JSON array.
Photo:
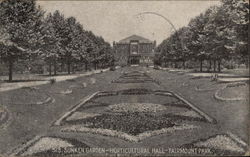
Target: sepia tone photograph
[{"x": 124, "y": 78}]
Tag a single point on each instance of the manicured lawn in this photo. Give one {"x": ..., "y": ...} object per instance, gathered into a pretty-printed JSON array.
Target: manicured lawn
[
  {"x": 232, "y": 116},
  {"x": 27, "y": 121},
  {"x": 127, "y": 114}
]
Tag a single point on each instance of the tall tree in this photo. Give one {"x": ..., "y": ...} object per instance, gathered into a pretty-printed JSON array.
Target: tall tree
[
  {"x": 238, "y": 16},
  {"x": 21, "y": 20},
  {"x": 51, "y": 47}
]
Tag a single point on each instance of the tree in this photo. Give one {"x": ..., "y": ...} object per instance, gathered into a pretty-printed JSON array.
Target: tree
[
  {"x": 238, "y": 15},
  {"x": 21, "y": 22},
  {"x": 198, "y": 38},
  {"x": 51, "y": 48},
  {"x": 70, "y": 41}
]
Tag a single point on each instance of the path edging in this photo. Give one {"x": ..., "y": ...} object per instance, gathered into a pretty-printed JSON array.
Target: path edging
[
  {"x": 217, "y": 97},
  {"x": 211, "y": 120},
  {"x": 81, "y": 102}
]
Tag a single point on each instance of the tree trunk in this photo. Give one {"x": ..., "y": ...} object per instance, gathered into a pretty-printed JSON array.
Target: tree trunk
[
  {"x": 73, "y": 68},
  {"x": 214, "y": 65},
  {"x": 69, "y": 62},
  {"x": 247, "y": 63},
  {"x": 68, "y": 65},
  {"x": 55, "y": 67},
  {"x": 95, "y": 65},
  {"x": 10, "y": 69},
  {"x": 184, "y": 65},
  {"x": 201, "y": 62},
  {"x": 86, "y": 66},
  {"x": 219, "y": 67},
  {"x": 175, "y": 64},
  {"x": 62, "y": 67},
  {"x": 210, "y": 65},
  {"x": 50, "y": 68}
]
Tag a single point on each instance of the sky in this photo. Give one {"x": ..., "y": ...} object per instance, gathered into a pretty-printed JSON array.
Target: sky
[{"x": 115, "y": 20}]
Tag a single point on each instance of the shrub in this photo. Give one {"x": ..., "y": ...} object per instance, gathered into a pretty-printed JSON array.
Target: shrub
[
  {"x": 156, "y": 67},
  {"x": 112, "y": 68},
  {"x": 52, "y": 81}
]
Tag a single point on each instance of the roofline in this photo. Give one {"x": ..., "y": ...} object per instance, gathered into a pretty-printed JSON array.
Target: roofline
[{"x": 122, "y": 42}]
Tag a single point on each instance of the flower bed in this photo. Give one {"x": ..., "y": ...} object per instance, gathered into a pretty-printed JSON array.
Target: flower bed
[
  {"x": 111, "y": 113},
  {"x": 30, "y": 96},
  {"x": 136, "y": 91},
  {"x": 221, "y": 144},
  {"x": 135, "y": 120},
  {"x": 134, "y": 77},
  {"x": 233, "y": 92},
  {"x": 190, "y": 114},
  {"x": 131, "y": 123},
  {"x": 136, "y": 107},
  {"x": 46, "y": 146},
  {"x": 66, "y": 92},
  {"x": 81, "y": 115},
  {"x": 125, "y": 136}
]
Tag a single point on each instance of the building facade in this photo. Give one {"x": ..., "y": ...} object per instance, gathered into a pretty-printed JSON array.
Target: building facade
[{"x": 134, "y": 50}]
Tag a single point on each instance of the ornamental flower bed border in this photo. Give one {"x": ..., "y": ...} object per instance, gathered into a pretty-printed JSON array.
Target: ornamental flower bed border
[
  {"x": 125, "y": 136},
  {"x": 93, "y": 127},
  {"x": 47, "y": 100},
  {"x": 217, "y": 94},
  {"x": 21, "y": 150},
  {"x": 217, "y": 151},
  {"x": 133, "y": 91},
  {"x": 135, "y": 77}
]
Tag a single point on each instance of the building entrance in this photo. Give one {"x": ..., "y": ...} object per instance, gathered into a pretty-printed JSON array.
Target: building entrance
[{"x": 134, "y": 60}]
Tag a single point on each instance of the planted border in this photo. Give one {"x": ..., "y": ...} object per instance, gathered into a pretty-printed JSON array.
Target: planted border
[
  {"x": 24, "y": 148},
  {"x": 214, "y": 146},
  {"x": 217, "y": 93},
  {"x": 125, "y": 136},
  {"x": 47, "y": 100},
  {"x": 135, "y": 77}
]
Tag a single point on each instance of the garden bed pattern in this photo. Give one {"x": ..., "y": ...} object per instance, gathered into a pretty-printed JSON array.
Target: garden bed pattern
[
  {"x": 220, "y": 144},
  {"x": 132, "y": 115},
  {"x": 135, "y": 77},
  {"x": 51, "y": 146},
  {"x": 233, "y": 92},
  {"x": 30, "y": 96}
]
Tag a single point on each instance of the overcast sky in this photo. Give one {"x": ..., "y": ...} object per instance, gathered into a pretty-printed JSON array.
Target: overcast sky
[{"x": 115, "y": 20}]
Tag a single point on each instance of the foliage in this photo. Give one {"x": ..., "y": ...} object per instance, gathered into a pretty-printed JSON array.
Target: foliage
[
  {"x": 27, "y": 35},
  {"x": 220, "y": 33},
  {"x": 20, "y": 25}
]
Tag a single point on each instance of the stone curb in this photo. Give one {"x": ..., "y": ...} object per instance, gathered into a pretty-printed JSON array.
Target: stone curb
[
  {"x": 81, "y": 102},
  {"x": 199, "y": 111},
  {"x": 237, "y": 139},
  {"x": 20, "y": 148}
]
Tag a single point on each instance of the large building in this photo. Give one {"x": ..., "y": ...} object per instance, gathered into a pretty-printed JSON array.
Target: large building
[{"x": 134, "y": 50}]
